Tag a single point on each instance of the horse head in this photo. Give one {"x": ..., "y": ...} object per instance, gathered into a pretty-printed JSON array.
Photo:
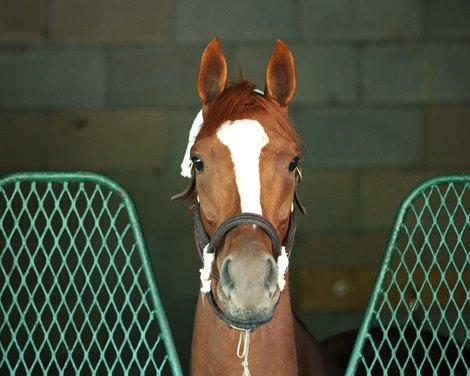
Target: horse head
[{"x": 243, "y": 158}]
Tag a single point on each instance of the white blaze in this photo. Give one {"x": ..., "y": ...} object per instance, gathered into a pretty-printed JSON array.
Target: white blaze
[{"x": 245, "y": 139}]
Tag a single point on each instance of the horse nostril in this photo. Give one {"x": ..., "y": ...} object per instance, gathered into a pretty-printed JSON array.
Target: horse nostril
[
  {"x": 225, "y": 279},
  {"x": 248, "y": 282},
  {"x": 271, "y": 280}
]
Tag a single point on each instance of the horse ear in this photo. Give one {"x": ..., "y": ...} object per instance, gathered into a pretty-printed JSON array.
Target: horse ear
[
  {"x": 281, "y": 79},
  {"x": 212, "y": 75}
]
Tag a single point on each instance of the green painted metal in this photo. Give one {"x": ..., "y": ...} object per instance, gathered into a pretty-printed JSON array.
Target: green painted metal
[
  {"x": 417, "y": 320},
  {"x": 78, "y": 295}
]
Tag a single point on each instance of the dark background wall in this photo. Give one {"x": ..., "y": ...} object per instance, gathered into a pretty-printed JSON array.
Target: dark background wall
[{"x": 382, "y": 103}]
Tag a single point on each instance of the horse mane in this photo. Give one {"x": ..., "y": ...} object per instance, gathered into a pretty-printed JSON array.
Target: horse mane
[{"x": 240, "y": 101}]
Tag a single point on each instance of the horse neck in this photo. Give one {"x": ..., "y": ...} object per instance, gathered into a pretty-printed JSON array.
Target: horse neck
[{"x": 271, "y": 351}]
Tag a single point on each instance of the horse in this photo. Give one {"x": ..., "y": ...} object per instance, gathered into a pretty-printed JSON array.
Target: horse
[{"x": 243, "y": 159}]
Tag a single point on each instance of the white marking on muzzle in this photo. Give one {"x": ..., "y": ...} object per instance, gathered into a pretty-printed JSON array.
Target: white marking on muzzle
[{"x": 246, "y": 139}]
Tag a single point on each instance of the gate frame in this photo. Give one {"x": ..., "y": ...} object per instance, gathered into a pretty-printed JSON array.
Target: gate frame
[
  {"x": 101, "y": 180},
  {"x": 369, "y": 315}
]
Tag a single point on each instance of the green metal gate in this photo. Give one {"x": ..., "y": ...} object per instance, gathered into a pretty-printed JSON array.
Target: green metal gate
[
  {"x": 417, "y": 321},
  {"x": 78, "y": 294}
]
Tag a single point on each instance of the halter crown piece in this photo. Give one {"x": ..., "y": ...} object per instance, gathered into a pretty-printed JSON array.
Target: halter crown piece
[{"x": 209, "y": 246}]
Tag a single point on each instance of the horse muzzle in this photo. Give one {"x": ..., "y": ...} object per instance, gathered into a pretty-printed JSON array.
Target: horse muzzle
[
  {"x": 248, "y": 288},
  {"x": 248, "y": 284}
]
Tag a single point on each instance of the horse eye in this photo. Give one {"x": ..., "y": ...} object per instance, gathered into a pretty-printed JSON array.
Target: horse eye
[
  {"x": 197, "y": 162},
  {"x": 293, "y": 164}
]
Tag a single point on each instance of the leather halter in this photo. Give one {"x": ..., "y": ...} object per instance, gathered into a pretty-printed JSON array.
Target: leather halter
[
  {"x": 231, "y": 222},
  {"x": 202, "y": 238},
  {"x": 210, "y": 243}
]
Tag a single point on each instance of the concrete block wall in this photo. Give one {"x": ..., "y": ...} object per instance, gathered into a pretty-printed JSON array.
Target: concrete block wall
[{"x": 382, "y": 103}]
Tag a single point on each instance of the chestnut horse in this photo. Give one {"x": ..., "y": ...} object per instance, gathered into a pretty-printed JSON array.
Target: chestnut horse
[{"x": 243, "y": 158}]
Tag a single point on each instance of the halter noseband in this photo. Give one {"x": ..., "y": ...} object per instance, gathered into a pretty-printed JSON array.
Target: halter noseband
[{"x": 232, "y": 222}]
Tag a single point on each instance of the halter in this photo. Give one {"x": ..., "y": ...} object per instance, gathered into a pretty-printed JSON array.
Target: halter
[{"x": 206, "y": 246}]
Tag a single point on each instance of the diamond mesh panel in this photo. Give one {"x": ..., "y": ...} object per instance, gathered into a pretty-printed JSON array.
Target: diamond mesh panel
[
  {"x": 77, "y": 294},
  {"x": 417, "y": 321}
]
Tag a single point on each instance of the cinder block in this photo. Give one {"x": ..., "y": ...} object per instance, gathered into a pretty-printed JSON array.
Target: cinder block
[
  {"x": 52, "y": 78},
  {"x": 448, "y": 137},
  {"x": 145, "y": 76},
  {"x": 241, "y": 20},
  {"x": 381, "y": 194},
  {"x": 107, "y": 21},
  {"x": 331, "y": 202},
  {"x": 361, "y": 138},
  {"x": 118, "y": 139},
  {"x": 325, "y": 74},
  {"x": 253, "y": 61},
  {"x": 360, "y": 19},
  {"x": 338, "y": 249},
  {"x": 332, "y": 289},
  {"x": 394, "y": 73},
  {"x": 449, "y": 72},
  {"x": 448, "y": 18},
  {"x": 23, "y": 141},
  {"x": 22, "y": 21},
  {"x": 416, "y": 73}
]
